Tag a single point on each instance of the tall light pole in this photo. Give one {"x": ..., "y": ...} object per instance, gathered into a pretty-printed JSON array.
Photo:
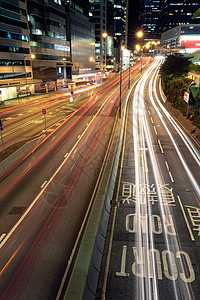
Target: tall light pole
[
  {"x": 91, "y": 59},
  {"x": 104, "y": 35},
  {"x": 120, "y": 80},
  {"x": 138, "y": 48},
  {"x": 129, "y": 70},
  {"x": 25, "y": 75},
  {"x": 32, "y": 57},
  {"x": 140, "y": 35}
]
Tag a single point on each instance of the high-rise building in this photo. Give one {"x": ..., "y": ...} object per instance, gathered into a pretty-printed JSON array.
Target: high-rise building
[
  {"x": 98, "y": 16},
  {"x": 15, "y": 54},
  {"x": 175, "y": 13},
  {"x": 47, "y": 24},
  {"x": 120, "y": 19},
  {"x": 150, "y": 18},
  {"x": 120, "y": 29},
  {"x": 101, "y": 15},
  {"x": 81, "y": 34}
]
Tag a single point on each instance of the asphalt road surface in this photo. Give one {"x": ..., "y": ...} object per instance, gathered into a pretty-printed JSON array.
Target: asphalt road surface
[
  {"x": 45, "y": 194},
  {"x": 154, "y": 235}
]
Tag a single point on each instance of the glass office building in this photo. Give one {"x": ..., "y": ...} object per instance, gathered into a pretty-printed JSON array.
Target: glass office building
[
  {"x": 175, "y": 13},
  {"x": 150, "y": 18},
  {"x": 48, "y": 23},
  {"x": 15, "y": 54},
  {"x": 81, "y": 34}
]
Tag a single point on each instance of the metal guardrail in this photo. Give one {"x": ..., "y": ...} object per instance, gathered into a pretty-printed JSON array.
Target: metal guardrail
[{"x": 6, "y": 163}]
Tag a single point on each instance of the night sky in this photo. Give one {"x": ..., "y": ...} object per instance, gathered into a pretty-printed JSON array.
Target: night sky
[{"x": 134, "y": 25}]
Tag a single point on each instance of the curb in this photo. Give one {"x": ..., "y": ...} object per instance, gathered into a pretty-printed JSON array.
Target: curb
[{"x": 85, "y": 274}]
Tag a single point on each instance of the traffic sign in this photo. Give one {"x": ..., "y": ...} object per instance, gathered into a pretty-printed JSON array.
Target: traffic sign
[{"x": 44, "y": 111}]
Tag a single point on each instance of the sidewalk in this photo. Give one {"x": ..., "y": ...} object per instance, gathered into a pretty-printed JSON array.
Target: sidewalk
[{"x": 24, "y": 99}]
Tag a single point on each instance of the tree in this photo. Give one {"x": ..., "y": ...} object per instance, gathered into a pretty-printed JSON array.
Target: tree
[
  {"x": 176, "y": 65},
  {"x": 196, "y": 14}
]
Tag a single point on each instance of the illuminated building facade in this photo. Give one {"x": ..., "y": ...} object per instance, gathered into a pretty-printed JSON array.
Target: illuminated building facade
[
  {"x": 81, "y": 34},
  {"x": 101, "y": 15},
  {"x": 150, "y": 18},
  {"x": 15, "y": 53},
  {"x": 47, "y": 25},
  {"x": 183, "y": 39},
  {"x": 120, "y": 18},
  {"x": 175, "y": 13}
]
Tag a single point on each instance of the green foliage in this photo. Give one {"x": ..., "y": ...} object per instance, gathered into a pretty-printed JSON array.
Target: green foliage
[
  {"x": 175, "y": 64},
  {"x": 196, "y": 120},
  {"x": 174, "y": 88},
  {"x": 193, "y": 67},
  {"x": 175, "y": 84},
  {"x": 196, "y": 14}
]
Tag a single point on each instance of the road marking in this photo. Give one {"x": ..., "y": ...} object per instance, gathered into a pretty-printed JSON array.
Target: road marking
[
  {"x": 151, "y": 120},
  {"x": 167, "y": 166},
  {"x": 123, "y": 263},
  {"x": 43, "y": 184},
  {"x": 79, "y": 137},
  {"x": 66, "y": 154},
  {"x": 2, "y": 236},
  {"x": 155, "y": 130},
  {"x": 171, "y": 177},
  {"x": 149, "y": 112},
  {"x": 161, "y": 148},
  {"x": 186, "y": 220}
]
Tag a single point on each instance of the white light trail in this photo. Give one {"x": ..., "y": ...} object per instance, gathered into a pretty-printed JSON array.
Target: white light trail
[{"x": 181, "y": 134}]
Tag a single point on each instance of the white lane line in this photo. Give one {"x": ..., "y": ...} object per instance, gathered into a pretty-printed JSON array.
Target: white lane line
[
  {"x": 186, "y": 220},
  {"x": 2, "y": 236},
  {"x": 66, "y": 154},
  {"x": 152, "y": 120},
  {"x": 161, "y": 148},
  {"x": 183, "y": 161},
  {"x": 155, "y": 130},
  {"x": 167, "y": 166},
  {"x": 44, "y": 184},
  {"x": 171, "y": 177},
  {"x": 78, "y": 137}
]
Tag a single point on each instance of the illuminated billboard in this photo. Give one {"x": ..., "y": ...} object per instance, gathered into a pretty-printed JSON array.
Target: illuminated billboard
[{"x": 190, "y": 42}]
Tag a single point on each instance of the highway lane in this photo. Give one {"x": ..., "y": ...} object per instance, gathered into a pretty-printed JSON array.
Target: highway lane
[
  {"x": 44, "y": 198},
  {"x": 47, "y": 233},
  {"x": 24, "y": 121},
  {"x": 156, "y": 214}
]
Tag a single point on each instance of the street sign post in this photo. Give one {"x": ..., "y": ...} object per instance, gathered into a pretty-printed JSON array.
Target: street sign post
[
  {"x": 1, "y": 129},
  {"x": 44, "y": 113}
]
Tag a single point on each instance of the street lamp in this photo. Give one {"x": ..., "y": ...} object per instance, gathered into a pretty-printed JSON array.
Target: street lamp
[
  {"x": 120, "y": 81},
  {"x": 25, "y": 75},
  {"x": 90, "y": 59},
  {"x": 104, "y": 35},
  {"x": 129, "y": 70},
  {"x": 139, "y": 34}
]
